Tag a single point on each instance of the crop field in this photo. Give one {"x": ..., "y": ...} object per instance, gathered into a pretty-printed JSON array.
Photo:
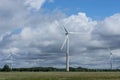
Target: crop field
[{"x": 59, "y": 75}]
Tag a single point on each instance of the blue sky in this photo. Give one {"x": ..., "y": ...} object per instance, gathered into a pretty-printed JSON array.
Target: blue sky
[
  {"x": 32, "y": 31},
  {"x": 97, "y": 9}
]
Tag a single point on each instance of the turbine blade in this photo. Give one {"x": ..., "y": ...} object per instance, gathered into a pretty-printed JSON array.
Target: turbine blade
[
  {"x": 64, "y": 43},
  {"x": 10, "y": 55},
  {"x": 75, "y": 32},
  {"x": 65, "y": 29}
]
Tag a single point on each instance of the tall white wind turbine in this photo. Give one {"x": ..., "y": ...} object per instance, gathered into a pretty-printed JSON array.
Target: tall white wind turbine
[
  {"x": 66, "y": 41},
  {"x": 111, "y": 66}
]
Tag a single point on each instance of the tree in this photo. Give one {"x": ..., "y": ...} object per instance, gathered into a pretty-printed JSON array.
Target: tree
[{"x": 6, "y": 68}]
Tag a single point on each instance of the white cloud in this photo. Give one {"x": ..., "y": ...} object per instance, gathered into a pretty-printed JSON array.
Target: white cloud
[
  {"x": 12, "y": 16},
  {"x": 26, "y": 33},
  {"x": 36, "y": 4},
  {"x": 112, "y": 23},
  {"x": 45, "y": 39},
  {"x": 12, "y": 50},
  {"x": 80, "y": 22},
  {"x": 109, "y": 26}
]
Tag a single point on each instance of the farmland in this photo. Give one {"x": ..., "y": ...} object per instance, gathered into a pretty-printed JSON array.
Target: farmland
[{"x": 59, "y": 75}]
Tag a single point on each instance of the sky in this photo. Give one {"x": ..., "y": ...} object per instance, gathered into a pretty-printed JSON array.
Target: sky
[
  {"x": 31, "y": 33},
  {"x": 97, "y": 9}
]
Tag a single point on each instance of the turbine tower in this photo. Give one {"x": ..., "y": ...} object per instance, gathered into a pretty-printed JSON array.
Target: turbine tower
[
  {"x": 111, "y": 66},
  {"x": 66, "y": 41},
  {"x": 11, "y": 58}
]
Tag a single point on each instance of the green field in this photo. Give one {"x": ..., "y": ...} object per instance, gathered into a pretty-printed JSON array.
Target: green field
[{"x": 60, "y": 76}]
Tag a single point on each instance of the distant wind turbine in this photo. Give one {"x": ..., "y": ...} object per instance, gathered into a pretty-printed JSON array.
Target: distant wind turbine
[
  {"x": 66, "y": 41},
  {"x": 11, "y": 58},
  {"x": 12, "y": 53},
  {"x": 111, "y": 66}
]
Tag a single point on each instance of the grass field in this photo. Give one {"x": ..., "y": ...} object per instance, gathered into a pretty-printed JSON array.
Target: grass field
[{"x": 60, "y": 76}]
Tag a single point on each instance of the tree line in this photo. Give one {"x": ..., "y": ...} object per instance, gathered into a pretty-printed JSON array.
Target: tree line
[{"x": 6, "y": 68}]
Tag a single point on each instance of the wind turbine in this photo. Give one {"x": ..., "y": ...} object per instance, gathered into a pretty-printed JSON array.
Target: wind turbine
[
  {"x": 111, "y": 66},
  {"x": 66, "y": 41},
  {"x": 11, "y": 56}
]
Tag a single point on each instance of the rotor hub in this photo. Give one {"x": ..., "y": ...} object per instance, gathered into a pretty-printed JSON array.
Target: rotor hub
[{"x": 66, "y": 33}]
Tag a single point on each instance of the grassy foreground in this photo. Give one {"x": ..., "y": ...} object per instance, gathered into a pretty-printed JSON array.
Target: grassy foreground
[{"x": 59, "y": 75}]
